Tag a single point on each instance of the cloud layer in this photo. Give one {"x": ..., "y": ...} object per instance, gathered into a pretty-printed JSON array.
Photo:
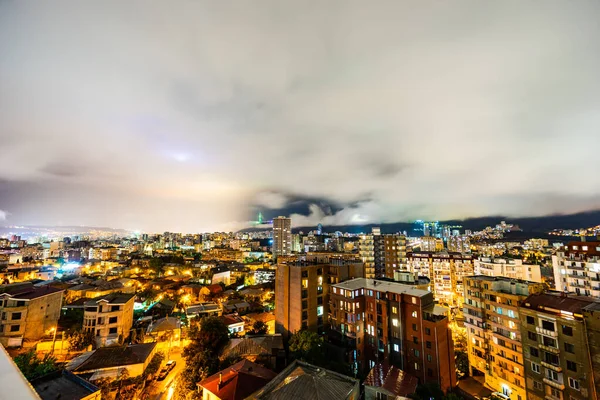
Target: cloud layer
[{"x": 190, "y": 115}]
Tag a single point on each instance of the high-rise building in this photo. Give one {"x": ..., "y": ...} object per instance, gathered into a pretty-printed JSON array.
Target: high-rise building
[
  {"x": 302, "y": 290},
  {"x": 376, "y": 321},
  {"x": 430, "y": 243},
  {"x": 577, "y": 268},
  {"x": 508, "y": 267},
  {"x": 492, "y": 321},
  {"x": 446, "y": 272},
  {"x": 282, "y": 236},
  {"x": 558, "y": 355},
  {"x": 459, "y": 244},
  {"x": 382, "y": 254}
]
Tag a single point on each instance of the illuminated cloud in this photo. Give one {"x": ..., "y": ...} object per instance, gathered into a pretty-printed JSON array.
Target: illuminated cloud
[{"x": 192, "y": 115}]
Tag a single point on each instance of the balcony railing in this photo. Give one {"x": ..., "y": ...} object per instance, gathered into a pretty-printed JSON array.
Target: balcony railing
[
  {"x": 553, "y": 367},
  {"x": 546, "y": 332}
]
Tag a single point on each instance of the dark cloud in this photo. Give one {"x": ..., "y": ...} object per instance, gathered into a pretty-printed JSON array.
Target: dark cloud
[{"x": 193, "y": 115}]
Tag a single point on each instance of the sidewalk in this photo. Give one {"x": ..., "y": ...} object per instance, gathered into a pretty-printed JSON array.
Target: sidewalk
[{"x": 473, "y": 386}]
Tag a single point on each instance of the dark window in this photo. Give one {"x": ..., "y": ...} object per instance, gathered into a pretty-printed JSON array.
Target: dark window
[
  {"x": 114, "y": 308},
  {"x": 414, "y": 327},
  {"x": 305, "y": 314},
  {"x": 530, "y": 320},
  {"x": 567, "y": 330},
  {"x": 16, "y": 316},
  {"x": 319, "y": 271},
  {"x": 570, "y": 348},
  {"x": 572, "y": 366},
  {"x": 415, "y": 340},
  {"x": 532, "y": 336},
  {"x": 548, "y": 325},
  {"x": 112, "y": 330},
  {"x": 15, "y": 328},
  {"x": 304, "y": 304},
  {"x": 305, "y": 274},
  {"x": 112, "y": 320},
  {"x": 427, "y": 331},
  {"x": 319, "y": 300},
  {"x": 549, "y": 342},
  {"x": 428, "y": 344},
  {"x": 429, "y": 372},
  {"x": 534, "y": 352},
  {"x": 304, "y": 294},
  {"x": 20, "y": 303},
  {"x": 551, "y": 358}
]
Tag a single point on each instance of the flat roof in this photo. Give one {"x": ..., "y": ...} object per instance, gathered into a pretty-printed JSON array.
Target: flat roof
[
  {"x": 552, "y": 302},
  {"x": 63, "y": 385},
  {"x": 382, "y": 286}
]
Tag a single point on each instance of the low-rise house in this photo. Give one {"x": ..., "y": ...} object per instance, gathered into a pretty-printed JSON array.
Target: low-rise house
[
  {"x": 203, "y": 310},
  {"x": 28, "y": 312},
  {"x": 165, "y": 329},
  {"x": 65, "y": 385},
  {"x": 234, "y": 323},
  {"x": 266, "y": 350},
  {"x": 304, "y": 381},
  {"x": 110, "y": 362},
  {"x": 109, "y": 317},
  {"x": 236, "y": 305},
  {"x": 211, "y": 290},
  {"x": 236, "y": 382},
  {"x": 265, "y": 317},
  {"x": 386, "y": 381},
  {"x": 96, "y": 289}
]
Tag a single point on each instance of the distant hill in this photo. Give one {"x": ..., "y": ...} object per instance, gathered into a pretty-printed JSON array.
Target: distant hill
[{"x": 529, "y": 225}]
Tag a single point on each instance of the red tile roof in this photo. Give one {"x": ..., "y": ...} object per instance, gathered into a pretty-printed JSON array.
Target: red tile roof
[
  {"x": 238, "y": 381},
  {"x": 392, "y": 379}
]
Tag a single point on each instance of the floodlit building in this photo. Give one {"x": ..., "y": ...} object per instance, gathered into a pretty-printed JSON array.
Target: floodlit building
[
  {"x": 302, "y": 290},
  {"x": 109, "y": 318},
  {"x": 577, "y": 268},
  {"x": 508, "y": 267},
  {"x": 377, "y": 321},
  {"x": 382, "y": 254},
  {"x": 446, "y": 272},
  {"x": 28, "y": 312},
  {"x": 282, "y": 236},
  {"x": 493, "y": 324},
  {"x": 556, "y": 347}
]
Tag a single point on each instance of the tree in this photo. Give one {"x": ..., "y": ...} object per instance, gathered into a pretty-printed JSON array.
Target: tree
[
  {"x": 33, "y": 367},
  {"x": 157, "y": 265},
  {"x": 306, "y": 346},
  {"x": 154, "y": 364},
  {"x": 462, "y": 362},
  {"x": 258, "y": 328},
  {"x": 79, "y": 340},
  {"x": 207, "y": 339}
]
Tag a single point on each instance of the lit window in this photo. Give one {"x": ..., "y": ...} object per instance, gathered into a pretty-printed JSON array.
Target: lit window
[
  {"x": 414, "y": 300},
  {"x": 396, "y": 348},
  {"x": 414, "y": 314},
  {"x": 319, "y": 311},
  {"x": 584, "y": 248},
  {"x": 395, "y": 322},
  {"x": 394, "y": 310}
]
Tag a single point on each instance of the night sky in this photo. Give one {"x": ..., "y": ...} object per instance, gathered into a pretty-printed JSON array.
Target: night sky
[{"x": 193, "y": 115}]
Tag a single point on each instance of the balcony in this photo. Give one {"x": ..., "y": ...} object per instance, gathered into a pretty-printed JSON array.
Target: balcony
[
  {"x": 553, "y": 367},
  {"x": 546, "y": 332},
  {"x": 554, "y": 384},
  {"x": 549, "y": 349}
]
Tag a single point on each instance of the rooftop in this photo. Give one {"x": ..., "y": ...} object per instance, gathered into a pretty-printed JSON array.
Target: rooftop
[
  {"x": 238, "y": 381},
  {"x": 27, "y": 291},
  {"x": 382, "y": 286},
  {"x": 251, "y": 345},
  {"x": 112, "y": 298},
  {"x": 392, "y": 379},
  {"x": 555, "y": 302},
  {"x": 301, "y": 380},
  {"x": 63, "y": 385},
  {"x": 112, "y": 357}
]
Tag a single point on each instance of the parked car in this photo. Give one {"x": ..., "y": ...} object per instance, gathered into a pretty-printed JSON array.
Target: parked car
[
  {"x": 163, "y": 374},
  {"x": 170, "y": 365}
]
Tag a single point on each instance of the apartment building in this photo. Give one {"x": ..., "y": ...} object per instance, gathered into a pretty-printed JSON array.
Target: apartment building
[
  {"x": 555, "y": 347},
  {"x": 492, "y": 321},
  {"x": 282, "y": 236},
  {"x": 446, "y": 272},
  {"x": 508, "y": 267},
  {"x": 433, "y": 244},
  {"x": 302, "y": 290},
  {"x": 109, "y": 317},
  {"x": 577, "y": 268},
  {"x": 28, "y": 312},
  {"x": 376, "y": 321},
  {"x": 382, "y": 254}
]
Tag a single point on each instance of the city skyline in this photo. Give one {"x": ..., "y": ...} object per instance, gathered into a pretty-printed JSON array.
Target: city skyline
[{"x": 191, "y": 117}]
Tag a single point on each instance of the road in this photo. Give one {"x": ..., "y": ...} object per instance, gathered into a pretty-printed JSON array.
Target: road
[{"x": 163, "y": 390}]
